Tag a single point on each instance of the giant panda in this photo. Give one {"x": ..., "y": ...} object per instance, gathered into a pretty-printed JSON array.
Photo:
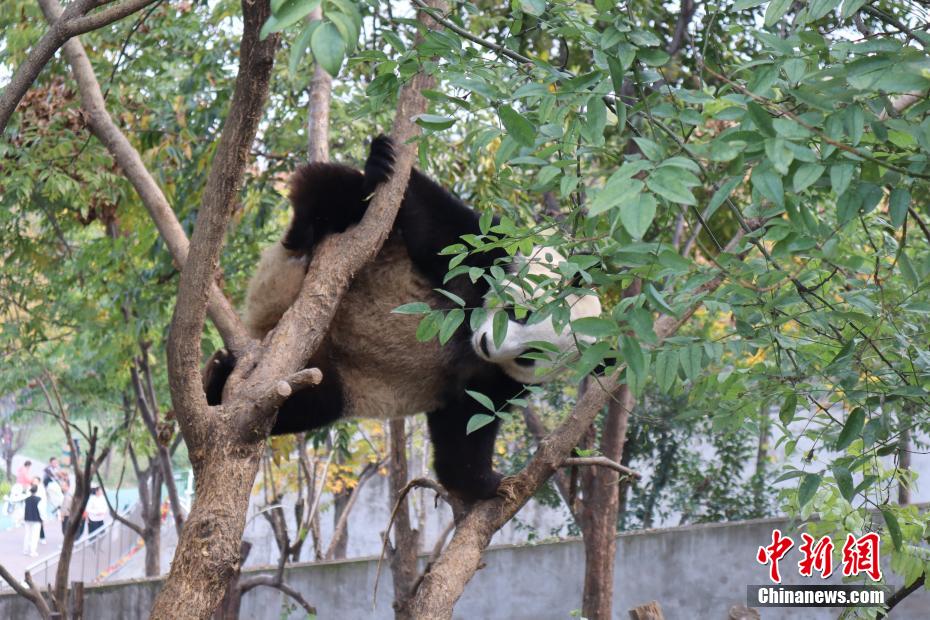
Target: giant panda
[{"x": 372, "y": 364}]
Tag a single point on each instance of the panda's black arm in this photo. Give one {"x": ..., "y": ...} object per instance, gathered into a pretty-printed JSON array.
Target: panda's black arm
[{"x": 431, "y": 218}]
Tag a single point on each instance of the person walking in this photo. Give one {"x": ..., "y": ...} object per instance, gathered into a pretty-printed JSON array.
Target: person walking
[
  {"x": 37, "y": 483},
  {"x": 64, "y": 512},
  {"x": 33, "y": 522}
]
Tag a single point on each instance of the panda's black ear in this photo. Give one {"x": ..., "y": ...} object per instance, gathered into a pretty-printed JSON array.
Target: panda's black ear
[{"x": 380, "y": 163}]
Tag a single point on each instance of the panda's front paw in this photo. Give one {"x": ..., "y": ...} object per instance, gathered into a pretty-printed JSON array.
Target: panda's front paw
[{"x": 380, "y": 162}]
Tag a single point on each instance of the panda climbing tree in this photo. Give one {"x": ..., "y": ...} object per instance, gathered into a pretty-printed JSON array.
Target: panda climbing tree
[{"x": 373, "y": 363}]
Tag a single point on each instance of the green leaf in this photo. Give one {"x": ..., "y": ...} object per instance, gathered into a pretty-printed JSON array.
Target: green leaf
[
  {"x": 499, "y": 328},
  {"x": 852, "y": 428},
  {"x": 633, "y": 355},
  {"x": 481, "y": 398},
  {"x": 594, "y": 326},
  {"x": 591, "y": 357},
  {"x": 808, "y": 488},
  {"x": 417, "y": 307},
  {"x": 299, "y": 48},
  {"x": 769, "y": 185},
  {"x": 517, "y": 126},
  {"x": 908, "y": 271},
  {"x": 690, "y": 359},
  {"x": 618, "y": 190},
  {"x": 760, "y": 118},
  {"x": 788, "y": 408},
  {"x": 666, "y": 369},
  {"x": 650, "y": 149},
  {"x": 819, "y": 8},
  {"x": 894, "y": 529},
  {"x": 898, "y": 203},
  {"x": 721, "y": 195},
  {"x": 637, "y": 216},
  {"x": 329, "y": 49},
  {"x": 533, "y": 7},
  {"x": 806, "y": 175},
  {"x": 289, "y": 12},
  {"x": 673, "y": 184},
  {"x": 850, "y": 8},
  {"x": 479, "y": 420},
  {"x": 434, "y": 121},
  {"x": 844, "y": 481},
  {"x": 429, "y": 326},
  {"x": 776, "y": 10},
  {"x": 453, "y": 319},
  {"x": 840, "y": 176}
]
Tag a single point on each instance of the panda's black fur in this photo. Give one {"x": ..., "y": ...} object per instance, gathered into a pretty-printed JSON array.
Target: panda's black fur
[{"x": 372, "y": 364}]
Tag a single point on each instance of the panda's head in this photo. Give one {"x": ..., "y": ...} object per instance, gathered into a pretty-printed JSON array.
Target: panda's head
[{"x": 523, "y": 329}]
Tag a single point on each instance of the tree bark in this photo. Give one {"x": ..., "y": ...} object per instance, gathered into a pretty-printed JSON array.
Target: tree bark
[
  {"x": 602, "y": 503},
  {"x": 403, "y": 553},
  {"x": 321, "y": 88},
  {"x": 600, "y": 510}
]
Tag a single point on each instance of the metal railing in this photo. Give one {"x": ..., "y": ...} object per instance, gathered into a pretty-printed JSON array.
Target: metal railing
[{"x": 93, "y": 554}]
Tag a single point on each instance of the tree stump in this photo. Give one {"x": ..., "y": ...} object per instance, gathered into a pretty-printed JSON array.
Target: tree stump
[{"x": 649, "y": 611}]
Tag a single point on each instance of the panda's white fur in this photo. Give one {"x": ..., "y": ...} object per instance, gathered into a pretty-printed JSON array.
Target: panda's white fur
[{"x": 541, "y": 266}]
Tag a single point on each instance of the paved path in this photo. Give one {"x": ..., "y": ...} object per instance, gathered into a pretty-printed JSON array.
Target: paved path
[
  {"x": 11, "y": 547},
  {"x": 11, "y": 540}
]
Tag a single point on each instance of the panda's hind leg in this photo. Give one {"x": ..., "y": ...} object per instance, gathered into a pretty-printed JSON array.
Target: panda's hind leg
[
  {"x": 464, "y": 462},
  {"x": 215, "y": 373}
]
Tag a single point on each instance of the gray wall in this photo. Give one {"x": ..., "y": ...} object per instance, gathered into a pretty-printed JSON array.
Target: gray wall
[{"x": 695, "y": 572}]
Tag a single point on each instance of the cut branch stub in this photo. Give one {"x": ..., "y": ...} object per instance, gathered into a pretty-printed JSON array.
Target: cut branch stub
[{"x": 298, "y": 380}]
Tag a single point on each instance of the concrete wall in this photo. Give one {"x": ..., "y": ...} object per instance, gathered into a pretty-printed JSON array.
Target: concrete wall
[{"x": 695, "y": 572}]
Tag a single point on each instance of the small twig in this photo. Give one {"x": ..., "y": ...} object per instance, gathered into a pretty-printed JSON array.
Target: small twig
[
  {"x": 602, "y": 461},
  {"x": 920, "y": 222},
  {"x": 423, "y": 483}
]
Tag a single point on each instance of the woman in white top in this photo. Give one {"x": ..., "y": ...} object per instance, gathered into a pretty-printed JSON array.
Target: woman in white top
[{"x": 97, "y": 510}]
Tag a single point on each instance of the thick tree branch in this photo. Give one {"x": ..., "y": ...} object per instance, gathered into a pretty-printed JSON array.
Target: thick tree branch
[
  {"x": 222, "y": 188},
  {"x": 127, "y": 157}
]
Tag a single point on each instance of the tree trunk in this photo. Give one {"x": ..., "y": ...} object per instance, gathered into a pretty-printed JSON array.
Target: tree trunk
[
  {"x": 904, "y": 464},
  {"x": 208, "y": 554},
  {"x": 406, "y": 539},
  {"x": 152, "y": 540},
  {"x": 321, "y": 86},
  {"x": 232, "y": 598},
  {"x": 600, "y": 510},
  {"x": 340, "y": 544}
]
